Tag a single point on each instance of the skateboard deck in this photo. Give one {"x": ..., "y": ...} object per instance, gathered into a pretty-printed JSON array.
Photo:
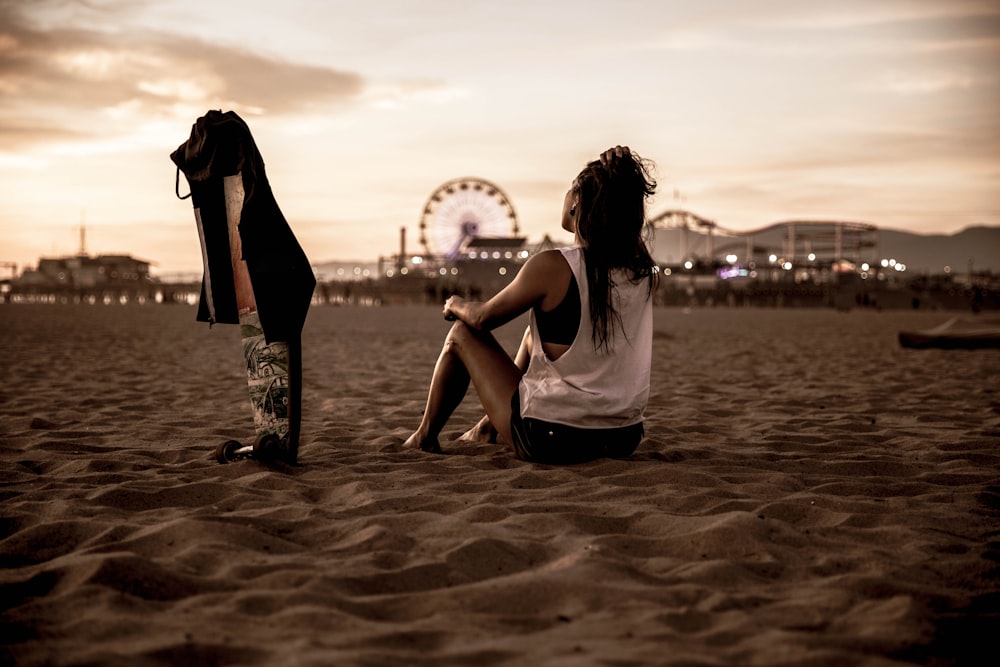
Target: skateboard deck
[{"x": 273, "y": 369}]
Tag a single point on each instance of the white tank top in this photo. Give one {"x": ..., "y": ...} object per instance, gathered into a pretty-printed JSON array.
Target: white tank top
[{"x": 590, "y": 388}]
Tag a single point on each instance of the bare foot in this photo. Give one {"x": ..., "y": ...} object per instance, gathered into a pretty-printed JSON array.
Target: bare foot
[
  {"x": 483, "y": 431},
  {"x": 425, "y": 444}
]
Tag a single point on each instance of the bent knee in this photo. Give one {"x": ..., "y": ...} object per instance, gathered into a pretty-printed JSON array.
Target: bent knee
[{"x": 459, "y": 333}]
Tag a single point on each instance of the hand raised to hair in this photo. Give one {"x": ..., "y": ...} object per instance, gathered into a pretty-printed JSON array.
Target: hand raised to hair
[{"x": 612, "y": 154}]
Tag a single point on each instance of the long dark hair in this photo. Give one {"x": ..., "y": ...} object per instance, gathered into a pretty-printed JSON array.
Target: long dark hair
[{"x": 612, "y": 217}]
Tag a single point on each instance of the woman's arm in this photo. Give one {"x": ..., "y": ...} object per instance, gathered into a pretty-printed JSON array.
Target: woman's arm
[{"x": 544, "y": 274}]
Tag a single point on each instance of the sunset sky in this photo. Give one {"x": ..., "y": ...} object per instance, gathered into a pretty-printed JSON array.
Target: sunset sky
[{"x": 881, "y": 111}]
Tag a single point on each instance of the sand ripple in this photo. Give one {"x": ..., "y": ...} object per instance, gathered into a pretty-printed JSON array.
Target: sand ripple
[{"x": 808, "y": 493}]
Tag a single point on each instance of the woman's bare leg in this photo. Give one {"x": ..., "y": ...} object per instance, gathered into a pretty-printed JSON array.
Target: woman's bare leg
[
  {"x": 484, "y": 431},
  {"x": 467, "y": 355},
  {"x": 449, "y": 383}
]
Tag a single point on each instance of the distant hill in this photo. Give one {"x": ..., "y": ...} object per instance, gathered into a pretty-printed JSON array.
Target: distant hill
[
  {"x": 922, "y": 253},
  {"x": 930, "y": 253}
]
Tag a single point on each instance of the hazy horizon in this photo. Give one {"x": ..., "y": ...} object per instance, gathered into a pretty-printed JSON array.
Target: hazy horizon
[{"x": 753, "y": 114}]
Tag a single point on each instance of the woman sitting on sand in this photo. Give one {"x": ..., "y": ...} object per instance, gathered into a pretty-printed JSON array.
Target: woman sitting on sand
[{"x": 578, "y": 387}]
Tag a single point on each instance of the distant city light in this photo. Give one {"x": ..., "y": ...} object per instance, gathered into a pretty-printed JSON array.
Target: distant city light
[
  {"x": 733, "y": 272},
  {"x": 772, "y": 258},
  {"x": 787, "y": 266},
  {"x": 865, "y": 266},
  {"x": 731, "y": 259},
  {"x": 502, "y": 270},
  {"x": 443, "y": 271},
  {"x": 688, "y": 264},
  {"x": 812, "y": 257},
  {"x": 417, "y": 259}
]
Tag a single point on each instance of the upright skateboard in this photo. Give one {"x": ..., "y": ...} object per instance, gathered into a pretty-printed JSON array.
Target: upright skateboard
[
  {"x": 270, "y": 375},
  {"x": 256, "y": 275}
]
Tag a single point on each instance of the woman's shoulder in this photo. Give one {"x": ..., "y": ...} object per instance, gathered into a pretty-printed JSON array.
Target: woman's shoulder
[
  {"x": 567, "y": 255},
  {"x": 548, "y": 267},
  {"x": 554, "y": 258}
]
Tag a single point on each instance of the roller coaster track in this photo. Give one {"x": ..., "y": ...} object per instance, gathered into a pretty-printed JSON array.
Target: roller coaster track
[{"x": 829, "y": 239}]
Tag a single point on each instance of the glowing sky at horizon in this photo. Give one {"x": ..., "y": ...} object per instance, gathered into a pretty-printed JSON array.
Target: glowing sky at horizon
[{"x": 754, "y": 112}]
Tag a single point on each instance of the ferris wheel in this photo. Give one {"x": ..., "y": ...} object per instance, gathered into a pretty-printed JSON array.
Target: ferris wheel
[{"x": 463, "y": 209}]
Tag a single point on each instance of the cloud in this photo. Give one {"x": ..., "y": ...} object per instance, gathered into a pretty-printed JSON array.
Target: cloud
[
  {"x": 400, "y": 94},
  {"x": 860, "y": 13},
  {"x": 907, "y": 83},
  {"x": 899, "y": 149},
  {"x": 60, "y": 83},
  {"x": 783, "y": 29}
]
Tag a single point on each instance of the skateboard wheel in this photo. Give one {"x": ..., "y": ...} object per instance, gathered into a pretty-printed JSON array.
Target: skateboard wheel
[
  {"x": 267, "y": 446},
  {"x": 226, "y": 452}
]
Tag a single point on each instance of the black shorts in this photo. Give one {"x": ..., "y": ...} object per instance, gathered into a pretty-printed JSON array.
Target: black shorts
[{"x": 540, "y": 441}]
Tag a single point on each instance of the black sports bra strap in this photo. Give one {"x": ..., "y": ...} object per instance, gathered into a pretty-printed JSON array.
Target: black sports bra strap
[{"x": 560, "y": 324}]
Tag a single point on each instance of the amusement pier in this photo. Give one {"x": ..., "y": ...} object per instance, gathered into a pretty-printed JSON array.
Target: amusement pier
[{"x": 469, "y": 243}]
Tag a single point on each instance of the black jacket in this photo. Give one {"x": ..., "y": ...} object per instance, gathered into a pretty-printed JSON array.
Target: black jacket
[{"x": 221, "y": 145}]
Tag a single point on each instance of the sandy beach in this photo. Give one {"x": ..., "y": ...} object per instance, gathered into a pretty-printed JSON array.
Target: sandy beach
[{"x": 808, "y": 493}]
